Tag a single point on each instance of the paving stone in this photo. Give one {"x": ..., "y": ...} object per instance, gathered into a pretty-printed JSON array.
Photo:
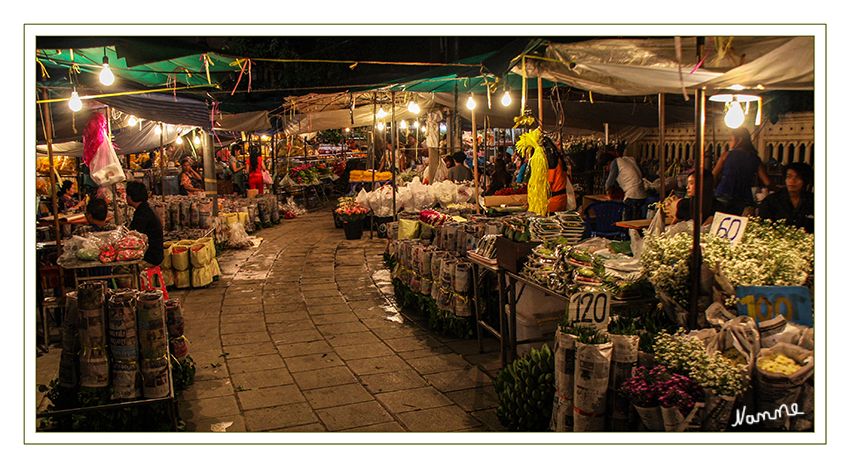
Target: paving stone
[
  {"x": 279, "y": 417},
  {"x": 459, "y": 379},
  {"x": 287, "y": 317},
  {"x": 269, "y": 396},
  {"x": 348, "y": 339},
  {"x": 475, "y": 399},
  {"x": 334, "y": 318},
  {"x": 243, "y": 327},
  {"x": 438, "y": 363},
  {"x": 216, "y": 407},
  {"x": 392, "y": 381},
  {"x": 262, "y": 378},
  {"x": 412, "y": 343},
  {"x": 244, "y": 338},
  {"x": 284, "y": 306},
  {"x": 341, "y": 328},
  {"x": 210, "y": 388},
  {"x": 250, "y": 349},
  {"x": 412, "y": 399},
  {"x": 362, "y": 351},
  {"x": 320, "y": 295},
  {"x": 490, "y": 421},
  {"x": 356, "y": 415},
  {"x": 304, "y": 348},
  {"x": 288, "y": 326},
  {"x": 329, "y": 377},
  {"x": 298, "y": 336},
  {"x": 255, "y": 363},
  {"x": 250, "y": 306},
  {"x": 240, "y": 318},
  {"x": 336, "y": 396},
  {"x": 383, "y": 427},
  {"x": 377, "y": 365},
  {"x": 442, "y": 419},
  {"x": 335, "y": 308},
  {"x": 312, "y": 362}
]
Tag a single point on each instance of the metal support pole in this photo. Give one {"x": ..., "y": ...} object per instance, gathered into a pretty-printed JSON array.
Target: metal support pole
[
  {"x": 395, "y": 150},
  {"x": 475, "y": 158},
  {"x": 696, "y": 252},
  {"x": 210, "y": 184},
  {"x": 662, "y": 157}
]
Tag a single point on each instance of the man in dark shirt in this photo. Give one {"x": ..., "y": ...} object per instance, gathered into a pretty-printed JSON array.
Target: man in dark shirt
[{"x": 147, "y": 222}]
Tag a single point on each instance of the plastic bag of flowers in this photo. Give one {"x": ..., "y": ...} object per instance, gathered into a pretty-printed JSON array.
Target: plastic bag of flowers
[
  {"x": 780, "y": 377},
  {"x": 738, "y": 341},
  {"x": 592, "y": 371},
  {"x": 721, "y": 380}
]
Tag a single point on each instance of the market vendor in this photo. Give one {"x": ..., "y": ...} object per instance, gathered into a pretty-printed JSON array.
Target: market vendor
[
  {"x": 96, "y": 212},
  {"x": 146, "y": 222},
  {"x": 190, "y": 181},
  {"x": 735, "y": 171},
  {"x": 795, "y": 202},
  {"x": 255, "y": 168},
  {"x": 624, "y": 171},
  {"x": 685, "y": 207},
  {"x": 237, "y": 168},
  {"x": 66, "y": 198}
]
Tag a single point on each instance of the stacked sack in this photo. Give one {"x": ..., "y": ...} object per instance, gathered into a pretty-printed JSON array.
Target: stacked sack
[
  {"x": 190, "y": 263},
  {"x": 203, "y": 261}
]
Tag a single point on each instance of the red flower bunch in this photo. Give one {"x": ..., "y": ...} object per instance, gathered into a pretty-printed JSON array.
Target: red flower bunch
[{"x": 521, "y": 190}]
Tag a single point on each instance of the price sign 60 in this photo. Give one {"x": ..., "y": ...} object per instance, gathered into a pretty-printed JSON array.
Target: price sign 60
[
  {"x": 728, "y": 226},
  {"x": 591, "y": 309}
]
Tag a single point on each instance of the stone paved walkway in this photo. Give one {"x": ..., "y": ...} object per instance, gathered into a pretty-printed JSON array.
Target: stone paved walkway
[{"x": 302, "y": 334}]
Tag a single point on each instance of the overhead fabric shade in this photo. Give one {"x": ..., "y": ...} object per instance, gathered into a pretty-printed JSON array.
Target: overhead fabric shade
[
  {"x": 162, "y": 108},
  {"x": 127, "y": 141}
]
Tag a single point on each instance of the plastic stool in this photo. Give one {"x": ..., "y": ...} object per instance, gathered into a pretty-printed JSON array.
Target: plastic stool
[{"x": 147, "y": 285}]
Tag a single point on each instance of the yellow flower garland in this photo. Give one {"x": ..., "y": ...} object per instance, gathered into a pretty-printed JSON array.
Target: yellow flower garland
[{"x": 538, "y": 182}]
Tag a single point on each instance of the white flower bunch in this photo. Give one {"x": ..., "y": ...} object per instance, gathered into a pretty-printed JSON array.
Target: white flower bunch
[
  {"x": 687, "y": 355},
  {"x": 769, "y": 254}
]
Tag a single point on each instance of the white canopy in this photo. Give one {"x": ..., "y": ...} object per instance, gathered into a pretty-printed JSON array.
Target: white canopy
[{"x": 632, "y": 67}]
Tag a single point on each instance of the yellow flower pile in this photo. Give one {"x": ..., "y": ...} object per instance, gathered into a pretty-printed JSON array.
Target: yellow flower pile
[
  {"x": 735, "y": 357},
  {"x": 779, "y": 363}
]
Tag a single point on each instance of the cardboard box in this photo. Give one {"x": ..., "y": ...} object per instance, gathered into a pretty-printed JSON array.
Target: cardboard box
[
  {"x": 512, "y": 255},
  {"x": 507, "y": 200}
]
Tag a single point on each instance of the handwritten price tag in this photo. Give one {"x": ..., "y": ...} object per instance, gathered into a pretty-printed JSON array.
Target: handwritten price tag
[
  {"x": 591, "y": 309},
  {"x": 766, "y": 302},
  {"x": 728, "y": 226}
]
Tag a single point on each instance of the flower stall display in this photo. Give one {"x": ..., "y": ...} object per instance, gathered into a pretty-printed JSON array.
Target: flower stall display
[
  {"x": 769, "y": 254},
  {"x": 351, "y": 215}
]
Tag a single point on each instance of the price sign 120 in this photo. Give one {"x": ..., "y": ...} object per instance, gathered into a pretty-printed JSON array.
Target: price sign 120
[
  {"x": 728, "y": 226},
  {"x": 591, "y": 308}
]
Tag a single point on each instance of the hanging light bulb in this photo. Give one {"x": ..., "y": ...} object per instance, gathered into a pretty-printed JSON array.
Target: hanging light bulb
[
  {"x": 169, "y": 127},
  {"x": 380, "y": 125},
  {"x": 132, "y": 121},
  {"x": 506, "y": 99},
  {"x": 106, "y": 76},
  {"x": 413, "y": 107},
  {"x": 735, "y": 115},
  {"x": 75, "y": 103},
  {"x": 470, "y": 103},
  {"x": 196, "y": 140},
  {"x": 415, "y": 124},
  {"x": 158, "y": 129},
  {"x": 381, "y": 113},
  {"x": 402, "y": 124},
  {"x": 179, "y": 140}
]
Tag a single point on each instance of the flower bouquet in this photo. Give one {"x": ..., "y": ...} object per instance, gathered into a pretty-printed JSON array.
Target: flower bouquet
[
  {"x": 722, "y": 381},
  {"x": 351, "y": 211},
  {"x": 304, "y": 174},
  {"x": 643, "y": 389}
]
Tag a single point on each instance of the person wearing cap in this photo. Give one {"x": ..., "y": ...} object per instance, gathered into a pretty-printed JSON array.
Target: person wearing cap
[{"x": 190, "y": 181}]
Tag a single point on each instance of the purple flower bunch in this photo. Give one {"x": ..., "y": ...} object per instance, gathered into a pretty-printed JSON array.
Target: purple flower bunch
[
  {"x": 682, "y": 393},
  {"x": 659, "y": 386}
]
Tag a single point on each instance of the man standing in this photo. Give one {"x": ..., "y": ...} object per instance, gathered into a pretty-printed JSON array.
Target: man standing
[
  {"x": 146, "y": 222},
  {"x": 460, "y": 172},
  {"x": 624, "y": 171}
]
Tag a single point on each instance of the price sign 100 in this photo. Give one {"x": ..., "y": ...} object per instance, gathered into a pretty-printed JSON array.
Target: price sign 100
[{"x": 590, "y": 309}]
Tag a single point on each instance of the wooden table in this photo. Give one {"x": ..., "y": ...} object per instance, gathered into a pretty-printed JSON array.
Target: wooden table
[
  {"x": 638, "y": 224},
  {"x": 481, "y": 266}
]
